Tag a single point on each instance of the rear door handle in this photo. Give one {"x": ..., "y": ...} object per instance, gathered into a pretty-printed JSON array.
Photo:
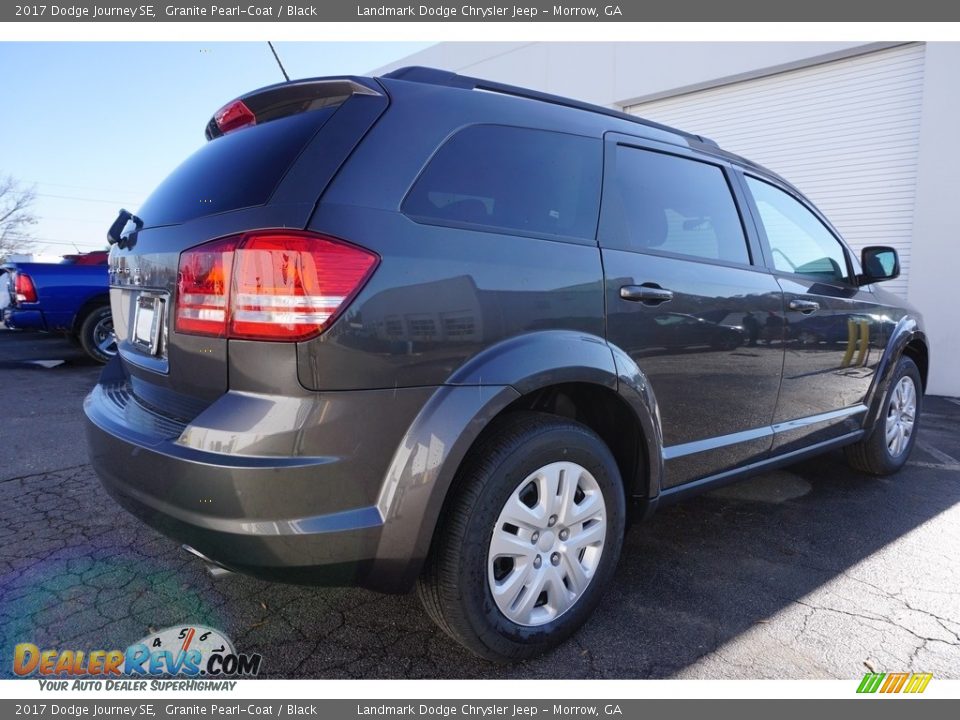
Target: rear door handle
[
  {"x": 807, "y": 307},
  {"x": 649, "y": 294}
]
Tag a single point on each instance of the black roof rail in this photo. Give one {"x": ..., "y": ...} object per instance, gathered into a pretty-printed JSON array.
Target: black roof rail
[{"x": 433, "y": 76}]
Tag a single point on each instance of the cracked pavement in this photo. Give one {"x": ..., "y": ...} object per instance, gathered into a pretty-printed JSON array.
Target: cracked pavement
[{"x": 812, "y": 571}]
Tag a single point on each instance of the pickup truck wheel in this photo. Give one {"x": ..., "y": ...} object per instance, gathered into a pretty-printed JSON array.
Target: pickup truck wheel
[
  {"x": 96, "y": 335},
  {"x": 528, "y": 541},
  {"x": 888, "y": 446}
]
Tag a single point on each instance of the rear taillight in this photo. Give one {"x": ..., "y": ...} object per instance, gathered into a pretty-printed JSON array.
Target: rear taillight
[
  {"x": 233, "y": 116},
  {"x": 270, "y": 285},
  {"x": 203, "y": 288},
  {"x": 25, "y": 289}
]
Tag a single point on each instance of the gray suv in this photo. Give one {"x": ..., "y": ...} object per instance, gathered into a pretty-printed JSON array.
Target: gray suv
[{"x": 427, "y": 330}]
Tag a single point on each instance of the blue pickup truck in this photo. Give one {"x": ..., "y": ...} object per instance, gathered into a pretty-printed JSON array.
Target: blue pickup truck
[{"x": 70, "y": 297}]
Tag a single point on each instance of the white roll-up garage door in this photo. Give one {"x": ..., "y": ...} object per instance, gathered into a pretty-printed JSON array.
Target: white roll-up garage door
[{"x": 845, "y": 132}]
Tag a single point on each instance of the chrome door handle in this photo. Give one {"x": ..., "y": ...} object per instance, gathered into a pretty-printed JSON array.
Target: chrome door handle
[
  {"x": 807, "y": 307},
  {"x": 647, "y": 294}
]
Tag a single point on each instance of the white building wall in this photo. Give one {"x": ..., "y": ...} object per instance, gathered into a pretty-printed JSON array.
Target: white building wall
[
  {"x": 936, "y": 222},
  {"x": 622, "y": 74}
]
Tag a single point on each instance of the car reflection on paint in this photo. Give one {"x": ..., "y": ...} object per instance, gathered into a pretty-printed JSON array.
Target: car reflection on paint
[{"x": 681, "y": 331}]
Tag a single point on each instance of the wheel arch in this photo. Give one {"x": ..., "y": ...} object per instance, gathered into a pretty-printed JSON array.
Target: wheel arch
[
  {"x": 916, "y": 349},
  {"x": 521, "y": 373},
  {"x": 907, "y": 340},
  {"x": 89, "y": 305}
]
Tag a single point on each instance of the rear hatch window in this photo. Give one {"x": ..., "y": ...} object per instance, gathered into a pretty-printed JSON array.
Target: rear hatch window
[
  {"x": 268, "y": 157},
  {"x": 238, "y": 170}
]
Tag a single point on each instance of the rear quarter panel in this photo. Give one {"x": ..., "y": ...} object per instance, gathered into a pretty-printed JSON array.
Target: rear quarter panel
[{"x": 442, "y": 295}]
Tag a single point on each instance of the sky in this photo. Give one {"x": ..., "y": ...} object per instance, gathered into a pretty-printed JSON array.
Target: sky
[{"x": 94, "y": 127}]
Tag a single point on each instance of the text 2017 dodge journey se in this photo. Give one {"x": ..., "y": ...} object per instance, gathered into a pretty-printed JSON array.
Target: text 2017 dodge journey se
[{"x": 429, "y": 330}]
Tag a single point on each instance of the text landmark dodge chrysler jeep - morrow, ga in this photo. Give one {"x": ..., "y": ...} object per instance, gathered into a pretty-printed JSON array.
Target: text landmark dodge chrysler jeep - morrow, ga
[{"x": 429, "y": 330}]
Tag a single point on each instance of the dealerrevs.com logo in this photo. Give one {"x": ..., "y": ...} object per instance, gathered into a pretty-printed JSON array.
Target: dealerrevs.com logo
[{"x": 193, "y": 651}]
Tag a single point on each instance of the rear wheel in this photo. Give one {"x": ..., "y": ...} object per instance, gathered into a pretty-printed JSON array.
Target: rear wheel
[
  {"x": 889, "y": 444},
  {"x": 529, "y": 540},
  {"x": 96, "y": 335}
]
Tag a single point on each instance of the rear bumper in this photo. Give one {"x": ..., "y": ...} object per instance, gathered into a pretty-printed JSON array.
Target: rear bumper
[
  {"x": 24, "y": 319},
  {"x": 310, "y": 519}
]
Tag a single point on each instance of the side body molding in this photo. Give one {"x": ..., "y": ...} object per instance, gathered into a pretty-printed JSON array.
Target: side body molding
[{"x": 425, "y": 464}]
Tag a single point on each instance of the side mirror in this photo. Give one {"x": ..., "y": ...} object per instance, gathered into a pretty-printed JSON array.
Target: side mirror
[{"x": 879, "y": 263}]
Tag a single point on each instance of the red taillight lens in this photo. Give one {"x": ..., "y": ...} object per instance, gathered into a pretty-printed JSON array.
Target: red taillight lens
[
  {"x": 24, "y": 288},
  {"x": 290, "y": 286},
  {"x": 234, "y": 116},
  {"x": 203, "y": 288},
  {"x": 272, "y": 285}
]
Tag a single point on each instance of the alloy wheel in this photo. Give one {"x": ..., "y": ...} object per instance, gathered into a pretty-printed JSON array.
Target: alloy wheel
[
  {"x": 104, "y": 338},
  {"x": 901, "y": 416}
]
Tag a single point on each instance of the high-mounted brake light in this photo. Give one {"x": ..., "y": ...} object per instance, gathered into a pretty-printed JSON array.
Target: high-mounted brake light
[
  {"x": 268, "y": 285},
  {"x": 233, "y": 116},
  {"x": 24, "y": 288}
]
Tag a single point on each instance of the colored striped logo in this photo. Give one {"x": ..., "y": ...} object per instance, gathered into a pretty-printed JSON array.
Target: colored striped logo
[{"x": 894, "y": 682}]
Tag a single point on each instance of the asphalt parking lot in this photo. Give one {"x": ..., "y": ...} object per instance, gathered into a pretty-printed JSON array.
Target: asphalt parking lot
[{"x": 810, "y": 572}]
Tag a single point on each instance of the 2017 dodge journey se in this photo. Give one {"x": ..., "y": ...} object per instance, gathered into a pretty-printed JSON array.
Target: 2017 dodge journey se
[{"x": 427, "y": 330}]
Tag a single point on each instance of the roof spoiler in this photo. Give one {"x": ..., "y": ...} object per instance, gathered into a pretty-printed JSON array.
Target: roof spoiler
[{"x": 283, "y": 99}]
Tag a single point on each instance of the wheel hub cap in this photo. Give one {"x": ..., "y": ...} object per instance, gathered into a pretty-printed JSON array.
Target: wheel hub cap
[
  {"x": 546, "y": 544},
  {"x": 547, "y": 541},
  {"x": 104, "y": 338}
]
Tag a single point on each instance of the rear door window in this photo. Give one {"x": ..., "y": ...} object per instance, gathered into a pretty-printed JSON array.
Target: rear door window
[
  {"x": 668, "y": 204},
  {"x": 240, "y": 169},
  {"x": 519, "y": 180}
]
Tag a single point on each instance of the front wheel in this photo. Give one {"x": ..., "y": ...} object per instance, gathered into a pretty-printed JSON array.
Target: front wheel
[
  {"x": 888, "y": 446},
  {"x": 528, "y": 541},
  {"x": 96, "y": 335}
]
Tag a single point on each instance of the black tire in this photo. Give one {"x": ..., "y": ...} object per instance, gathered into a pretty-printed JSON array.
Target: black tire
[
  {"x": 872, "y": 454},
  {"x": 91, "y": 334},
  {"x": 454, "y": 585}
]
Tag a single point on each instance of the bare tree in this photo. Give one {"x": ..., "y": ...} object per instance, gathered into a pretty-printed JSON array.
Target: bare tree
[{"x": 16, "y": 216}]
